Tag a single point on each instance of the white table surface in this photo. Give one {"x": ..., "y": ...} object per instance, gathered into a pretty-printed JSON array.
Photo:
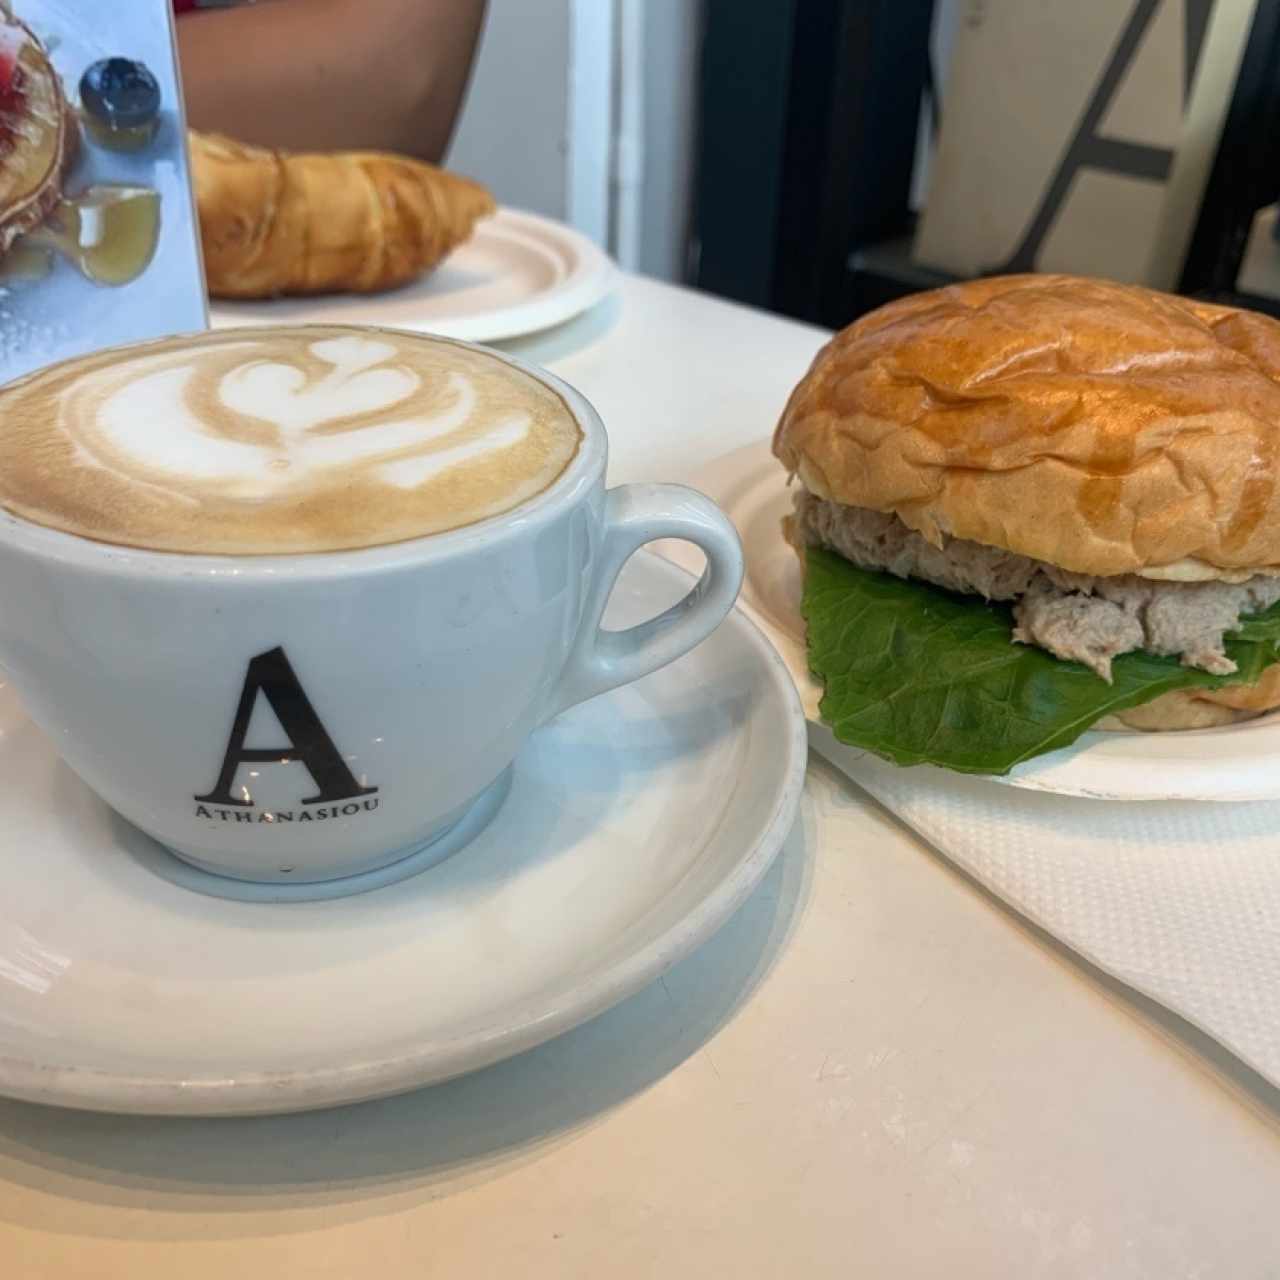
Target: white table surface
[{"x": 874, "y": 1070}]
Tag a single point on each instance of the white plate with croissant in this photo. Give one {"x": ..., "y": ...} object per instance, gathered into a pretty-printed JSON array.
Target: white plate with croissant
[{"x": 373, "y": 238}]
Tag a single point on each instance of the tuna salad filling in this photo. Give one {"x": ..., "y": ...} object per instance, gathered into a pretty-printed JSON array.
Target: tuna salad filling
[{"x": 1075, "y": 617}]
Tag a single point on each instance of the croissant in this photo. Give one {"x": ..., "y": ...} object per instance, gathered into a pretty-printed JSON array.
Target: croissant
[{"x": 272, "y": 222}]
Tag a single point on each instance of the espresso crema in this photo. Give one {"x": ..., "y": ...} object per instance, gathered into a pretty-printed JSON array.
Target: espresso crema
[{"x": 254, "y": 441}]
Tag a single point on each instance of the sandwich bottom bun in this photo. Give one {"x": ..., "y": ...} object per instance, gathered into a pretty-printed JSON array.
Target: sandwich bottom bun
[{"x": 1201, "y": 708}]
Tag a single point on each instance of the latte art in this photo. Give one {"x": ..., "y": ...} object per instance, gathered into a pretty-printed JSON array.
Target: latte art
[
  {"x": 316, "y": 425},
  {"x": 254, "y": 441}
]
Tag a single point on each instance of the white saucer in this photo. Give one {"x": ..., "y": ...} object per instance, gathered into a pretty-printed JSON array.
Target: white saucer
[
  {"x": 519, "y": 273},
  {"x": 635, "y": 826},
  {"x": 1239, "y": 762}
]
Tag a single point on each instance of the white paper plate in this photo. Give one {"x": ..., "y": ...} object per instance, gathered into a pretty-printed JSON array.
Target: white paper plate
[
  {"x": 519, "y": 273},
  {"x": 1238, "y": 762},
  {"x": 635, "y": 825}
]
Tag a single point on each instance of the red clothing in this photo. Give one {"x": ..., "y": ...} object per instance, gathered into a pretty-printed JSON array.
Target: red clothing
[{"x": 182, "y": 6}]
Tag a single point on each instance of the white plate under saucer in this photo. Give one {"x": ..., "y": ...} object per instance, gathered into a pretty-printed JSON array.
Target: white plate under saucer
[
  {"x": 1239, "y": 762},
  {"x": 519, "y": 273},
  {"x": 635, "y": 825}
]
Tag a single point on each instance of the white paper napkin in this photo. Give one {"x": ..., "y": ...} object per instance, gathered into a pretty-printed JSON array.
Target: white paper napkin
[{"x": 1181, "y": 901}]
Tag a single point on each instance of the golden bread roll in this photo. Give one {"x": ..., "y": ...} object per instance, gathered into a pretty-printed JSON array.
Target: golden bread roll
[
  {"x": 272, "y": 222},
  {"x": 1101, "y": 427}
]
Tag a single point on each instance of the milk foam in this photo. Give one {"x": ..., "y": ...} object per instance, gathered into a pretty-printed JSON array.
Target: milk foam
[
  {"x": 150, "y": 426},
  {"x": 279, "y": 439}
]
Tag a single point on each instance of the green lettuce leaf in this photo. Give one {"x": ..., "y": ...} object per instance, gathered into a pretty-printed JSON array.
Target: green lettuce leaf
[{"x": 919, "y": 675}]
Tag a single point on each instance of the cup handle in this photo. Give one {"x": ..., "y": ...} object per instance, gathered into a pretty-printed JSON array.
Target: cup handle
[{"x": 635, "y": 514}]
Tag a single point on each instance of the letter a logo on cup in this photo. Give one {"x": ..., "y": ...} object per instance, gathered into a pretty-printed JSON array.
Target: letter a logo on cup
[{"x": 271, "y": 675}]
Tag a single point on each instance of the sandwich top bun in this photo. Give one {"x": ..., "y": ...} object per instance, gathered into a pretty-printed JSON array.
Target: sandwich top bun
[{"x": 1103, "y": 428}]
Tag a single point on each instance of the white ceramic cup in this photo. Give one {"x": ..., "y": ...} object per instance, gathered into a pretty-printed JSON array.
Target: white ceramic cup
[{"x": 300, "y": 718}]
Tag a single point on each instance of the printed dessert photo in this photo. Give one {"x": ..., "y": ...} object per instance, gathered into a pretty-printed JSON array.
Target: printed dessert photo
[{"x": 97, "y": 243}]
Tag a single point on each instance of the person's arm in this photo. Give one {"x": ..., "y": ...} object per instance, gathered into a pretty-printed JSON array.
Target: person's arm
[{"x": 331, "y": 74}]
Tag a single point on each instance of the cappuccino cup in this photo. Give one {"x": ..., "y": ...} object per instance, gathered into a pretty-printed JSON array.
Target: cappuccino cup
[{"x": 290, "y": 600}]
